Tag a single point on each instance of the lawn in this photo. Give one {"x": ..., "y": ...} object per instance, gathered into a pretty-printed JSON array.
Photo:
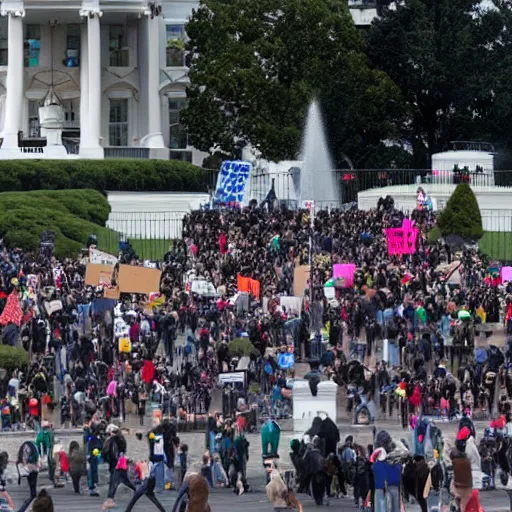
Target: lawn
[
  {"x": 151, "y": 249},
  {"x": 497, "y": 245}
]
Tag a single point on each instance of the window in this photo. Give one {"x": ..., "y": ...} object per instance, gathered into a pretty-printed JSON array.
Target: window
[
  {"x": 175, "y": 46},
  {"x": 72, "y": 46},
  {"x": 118, "y": 126},
  {"x": 119, "y": 54},
  {"x": 71, "y": 117},
  {"x": 3, "y": 41},
  {"x": 34, "y": 128},
  {"x": 177, "y": 134},
  {"x": 32, "y": 45}
]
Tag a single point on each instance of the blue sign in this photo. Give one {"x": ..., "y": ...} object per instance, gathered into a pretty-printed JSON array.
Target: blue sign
[
  {"x": 231, "y": 182},
  {"x": 286, "y": 361}
]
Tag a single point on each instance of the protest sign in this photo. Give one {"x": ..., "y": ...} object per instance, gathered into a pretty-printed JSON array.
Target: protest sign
[
  {"x": 133, "y": 279},
  {"x": 101, "y": 258},
  {"x": 506, "y": 274},
  {"x": 402, "y": 240},
  {"x": 343, "y": 274},
  {"x": 248, "y": 285},
  {"x": 96, "y": 274},
  {"x": 300, "y": 280}
]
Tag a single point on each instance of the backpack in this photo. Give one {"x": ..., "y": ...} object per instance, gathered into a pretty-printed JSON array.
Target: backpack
[
  {"x": 496, "y": 358},
  {"x": 481, "y": 355}
]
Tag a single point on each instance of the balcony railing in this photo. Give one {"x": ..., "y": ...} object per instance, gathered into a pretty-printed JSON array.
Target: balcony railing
[
  {"x": 175, "y": 57},
  {"x": 71, "y": 124},
  {"x": 126, "y": 152}
]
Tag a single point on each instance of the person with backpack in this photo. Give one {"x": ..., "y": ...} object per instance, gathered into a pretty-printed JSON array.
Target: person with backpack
[{"x": 114, "y": 445}]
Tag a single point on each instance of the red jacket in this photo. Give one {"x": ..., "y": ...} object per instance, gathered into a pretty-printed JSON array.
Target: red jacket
[{"x": 148, "y": 372}]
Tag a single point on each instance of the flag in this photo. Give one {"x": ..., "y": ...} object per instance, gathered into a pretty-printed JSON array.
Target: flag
[{"x": 12, "y": 312}]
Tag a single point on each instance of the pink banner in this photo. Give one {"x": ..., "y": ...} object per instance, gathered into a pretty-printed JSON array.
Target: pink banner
[
  {"x": 344, "y": 272},
  {"x": 506, "y": 274},
  {"x": 402, "y": 240}
]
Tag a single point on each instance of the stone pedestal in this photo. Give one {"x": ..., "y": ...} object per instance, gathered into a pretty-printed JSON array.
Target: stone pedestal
[{"x": 51, "y": 118}]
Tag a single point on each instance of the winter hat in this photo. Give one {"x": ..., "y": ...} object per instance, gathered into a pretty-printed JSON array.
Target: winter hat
[{"x": 378, "y": 455}]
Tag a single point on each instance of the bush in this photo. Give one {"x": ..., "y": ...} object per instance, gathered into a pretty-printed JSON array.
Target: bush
[
  {"x": 461, "y": 215},
  {"x": 130, "y": 175},
  {"x": 12, "y": 358},
  {"x": 72, "y": 214},
  {"x": 434, "y": 235},
  {"x": 240, "y": 347}
]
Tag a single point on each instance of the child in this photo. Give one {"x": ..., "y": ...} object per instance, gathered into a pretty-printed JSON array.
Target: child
[{"x": 219, "y": 477}]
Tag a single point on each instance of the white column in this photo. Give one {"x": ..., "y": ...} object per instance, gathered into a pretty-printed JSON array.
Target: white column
[
  {"x": 92, "y": 147},
  {"x": 154, "y": 138},
  {"x": 15, "y": 88},
  {"x": 84, "y": 88}
]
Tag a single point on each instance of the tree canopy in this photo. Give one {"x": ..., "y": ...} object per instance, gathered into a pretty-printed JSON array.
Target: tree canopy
[
  {"x": 446, "y": 57},
  {"x": 256, "y": 65}
]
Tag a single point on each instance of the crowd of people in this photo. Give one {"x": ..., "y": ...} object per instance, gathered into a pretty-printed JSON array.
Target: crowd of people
[{"x": 403, "y": 336}]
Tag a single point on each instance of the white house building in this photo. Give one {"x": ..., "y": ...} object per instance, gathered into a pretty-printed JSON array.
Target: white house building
[
  {"x": 93, "y": 79},
  {"x": 98, "y": 78}
]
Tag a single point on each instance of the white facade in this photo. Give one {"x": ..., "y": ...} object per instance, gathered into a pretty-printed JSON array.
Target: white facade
[{"x": 118, "y": 68}]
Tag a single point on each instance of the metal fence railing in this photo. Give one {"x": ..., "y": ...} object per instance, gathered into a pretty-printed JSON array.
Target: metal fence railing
[
  {"x": 350, "y": 182},
  {"x": 151, "y": 234}
]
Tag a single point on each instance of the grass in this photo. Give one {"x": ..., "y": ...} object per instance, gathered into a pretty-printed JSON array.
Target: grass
[
  {"x": 497, "y": 245},
  {"x": 152, "y": 249}
]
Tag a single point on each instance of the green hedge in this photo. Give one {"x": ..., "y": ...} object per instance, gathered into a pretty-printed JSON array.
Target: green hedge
[
  {"x": 12, "y": 358},
  {"x": 461, "y": 216},
  {"x": 104, "y": 175},
  {"x": 72, "y": 214}
]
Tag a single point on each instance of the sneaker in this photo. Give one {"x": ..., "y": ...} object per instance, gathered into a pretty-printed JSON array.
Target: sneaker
[
  {"x": 109, "y": 503},
  {"x": 94, "y": 493}
]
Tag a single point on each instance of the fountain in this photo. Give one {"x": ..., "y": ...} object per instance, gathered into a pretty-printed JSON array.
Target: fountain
[{"x": 317, "y": 178}]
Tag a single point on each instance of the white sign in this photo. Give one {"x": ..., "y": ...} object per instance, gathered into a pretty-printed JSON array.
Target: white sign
[
  {"x": 232, "y": 378},
  {"x": 101, "y": 258}
]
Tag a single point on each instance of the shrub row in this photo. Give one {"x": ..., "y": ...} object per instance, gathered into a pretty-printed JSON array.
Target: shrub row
[
  {"x": 130, "y": 175},
  {"x": 72, "y": 214},
  {"x": 12, "y": 358}
]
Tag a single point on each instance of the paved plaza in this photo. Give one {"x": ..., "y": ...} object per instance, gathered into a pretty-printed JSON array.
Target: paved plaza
[{"x": 221, "y": 499}]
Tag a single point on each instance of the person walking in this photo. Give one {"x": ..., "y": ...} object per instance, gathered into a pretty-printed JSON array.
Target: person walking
[
  {"x": 77, "y": 465},
  {"x": 462, "y": 483}
]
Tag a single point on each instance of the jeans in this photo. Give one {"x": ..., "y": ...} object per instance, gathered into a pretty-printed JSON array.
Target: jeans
[
  {"x": 394, "y": 495},
  {"x": 119, "y": 477},
  {"x": 380, "y": 500},
  {"x": 92, "y": 474},
  {"x": 158, "y": 473},
  {"x": 147, "y": 488}
]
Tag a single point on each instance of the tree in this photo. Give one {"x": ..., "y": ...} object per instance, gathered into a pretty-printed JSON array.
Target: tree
[
  {"x": 462, "y": 214},
  {"x": 435, "y": 51},
  {"x": 256, "y": 65}
]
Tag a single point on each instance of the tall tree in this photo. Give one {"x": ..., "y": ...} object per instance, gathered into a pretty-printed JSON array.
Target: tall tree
[
  {"x": 256, "y": 65},
  {"x": 434, "y": 50}
]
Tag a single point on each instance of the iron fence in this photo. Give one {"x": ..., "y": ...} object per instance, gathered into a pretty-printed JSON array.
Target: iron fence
[
  {"x": 151, "y": 234},
  {"x": 286, "y": 184}
]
